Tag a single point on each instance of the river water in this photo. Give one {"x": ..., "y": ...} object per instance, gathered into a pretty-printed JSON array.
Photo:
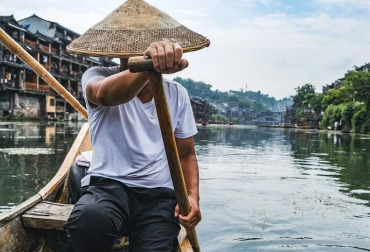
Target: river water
[{"x": 261, "y": 189}]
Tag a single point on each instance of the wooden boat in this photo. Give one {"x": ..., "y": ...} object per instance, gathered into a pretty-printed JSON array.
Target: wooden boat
[{"x": 37, "y": 223}]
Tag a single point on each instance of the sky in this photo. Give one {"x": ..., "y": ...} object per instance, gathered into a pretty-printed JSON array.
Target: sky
[{"x": 269, "y": 45}]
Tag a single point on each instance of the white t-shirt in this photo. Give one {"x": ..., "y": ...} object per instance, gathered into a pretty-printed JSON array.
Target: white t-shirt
[{"x": 126, "y": 138}]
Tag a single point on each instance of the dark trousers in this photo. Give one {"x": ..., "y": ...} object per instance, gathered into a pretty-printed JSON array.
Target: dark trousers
[{"x": 108, "y": 208}]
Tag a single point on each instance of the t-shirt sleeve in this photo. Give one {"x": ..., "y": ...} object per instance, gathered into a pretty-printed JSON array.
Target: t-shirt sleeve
[{"x": 186, "y": 126}]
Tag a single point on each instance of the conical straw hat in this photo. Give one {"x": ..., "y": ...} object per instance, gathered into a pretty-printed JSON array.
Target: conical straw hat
[{"x": 129, "y": 30}]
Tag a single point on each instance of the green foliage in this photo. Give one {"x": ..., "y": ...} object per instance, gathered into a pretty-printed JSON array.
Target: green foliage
[
  {"x": 332, "y": 113},
  {"x": 348, "y": 103},
  {"x": 235, "y": 120},
  {"x": 218, "y": 117},
  {"x": 303, "y": 96},
  {"x": 358, "y": 120},
  {"x": 249, "y": 99},
  {"x": 245, "y": 103},
  {"x": 359, "y": 84},
  {"x": 317, "y": 103},
  {"x": 196, "y": 88},
  {"x": 348, "y": 112},
  {"x": 366, "y": 127},
  {"x": 333, "y": 97},
  {"x": 345, "y": 114}
]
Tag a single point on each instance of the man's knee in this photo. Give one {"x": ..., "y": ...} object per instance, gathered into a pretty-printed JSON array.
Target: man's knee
[
  {"x": 156, "y": 237},
  {"x": 91, "y": 227}
]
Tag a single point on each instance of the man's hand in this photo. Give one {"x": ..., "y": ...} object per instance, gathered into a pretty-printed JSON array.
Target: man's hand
[
  {"x": 194, "y": 216},
  {"x": 166, "y": 57}
]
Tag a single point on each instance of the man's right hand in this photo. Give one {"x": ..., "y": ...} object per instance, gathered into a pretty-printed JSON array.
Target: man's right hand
[{"x": 167, "y": 57}]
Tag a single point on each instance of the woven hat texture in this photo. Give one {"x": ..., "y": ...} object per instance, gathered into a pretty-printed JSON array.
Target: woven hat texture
[{"x": 129, "y": 30}]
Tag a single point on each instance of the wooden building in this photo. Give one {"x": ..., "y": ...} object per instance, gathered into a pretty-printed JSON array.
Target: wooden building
[{"x": 25, "y": 95}]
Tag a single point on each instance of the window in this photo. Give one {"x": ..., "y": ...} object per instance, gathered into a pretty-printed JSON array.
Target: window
[{"x": 52, "y": 102}]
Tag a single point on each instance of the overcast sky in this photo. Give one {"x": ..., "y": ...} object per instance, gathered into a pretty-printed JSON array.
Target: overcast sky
[{"x": 267, "y": 45}]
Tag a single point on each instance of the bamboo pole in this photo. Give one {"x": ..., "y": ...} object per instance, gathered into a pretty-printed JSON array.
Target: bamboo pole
[
  {"x": 16, "y": 49},
  {"x": 173, "y": 159},
  {"x": 144, "y": 63}
]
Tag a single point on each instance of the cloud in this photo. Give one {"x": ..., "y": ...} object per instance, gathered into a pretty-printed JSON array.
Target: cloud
[
  {"x": 276, "y": 53},
  {"x": 345, "y": 5},
  {"x": 274, "y": 46}
]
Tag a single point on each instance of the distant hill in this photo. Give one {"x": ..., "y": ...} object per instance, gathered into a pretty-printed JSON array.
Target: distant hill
[{"x": 245, "y": 99}]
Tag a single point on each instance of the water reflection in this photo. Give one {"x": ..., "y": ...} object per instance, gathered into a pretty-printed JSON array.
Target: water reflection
[
  {"x": 30, "y": 154},
  {"x": 348, "y": 155},
  {"x": 277, "y": 190}
]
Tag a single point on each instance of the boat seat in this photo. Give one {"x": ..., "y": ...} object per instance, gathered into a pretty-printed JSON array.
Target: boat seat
[{"x": 52, "y": 216}]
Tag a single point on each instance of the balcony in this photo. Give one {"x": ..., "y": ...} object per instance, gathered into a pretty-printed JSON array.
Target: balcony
[
  {"x": 36, "y": 88},
  {"x": 64, "y": 71},
  {"x": 30, "y": 43},
  {"x": 9, "y": 83},
  {"x": 76, "y": 74},
  {"x": 55, "y": 51},
  {"x": 60, "y": 109},
  {"x": 43, "y": 48},
  {"x": 12, "y": 61}
]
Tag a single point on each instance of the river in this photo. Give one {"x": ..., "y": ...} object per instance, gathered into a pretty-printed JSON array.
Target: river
[{"x": 261, "y": 189}]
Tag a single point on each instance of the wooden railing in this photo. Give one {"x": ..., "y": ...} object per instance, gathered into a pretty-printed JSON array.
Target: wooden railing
[
  {"x": 63, "y": 71},
  {"x": 29, "y": 86},
  {"x": 44, "y": 48},
  {"x": 10, "y": 83},
  {"x": 54, "y": 51},
  {"x": 30, "y": 43},
  {"x": 76, "y": 74}
]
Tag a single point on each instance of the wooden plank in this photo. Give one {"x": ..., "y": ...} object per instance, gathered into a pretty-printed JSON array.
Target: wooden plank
[
  {"x": 184, "y": 244},
  {"x": 13, "y": 237},
  {"x": 19, "y": 209},
  {"x": 47, "y": 215}
]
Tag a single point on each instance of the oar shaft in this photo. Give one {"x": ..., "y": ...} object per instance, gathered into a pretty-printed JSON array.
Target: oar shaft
[
  {"x": 171, "y": 152},
  {"x": 16, "y": 49}
]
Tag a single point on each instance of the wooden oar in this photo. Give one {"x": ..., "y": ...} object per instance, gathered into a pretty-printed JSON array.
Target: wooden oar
[
  {"x": 16, "y": 49},
  {"x": 139, "y": 64}
]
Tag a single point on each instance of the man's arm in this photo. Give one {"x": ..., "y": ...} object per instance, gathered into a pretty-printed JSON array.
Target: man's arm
[
  {"x": 124, "y": 86},
  {"x": 115, "y": 89},
  {"x": 190, "y": 170}
]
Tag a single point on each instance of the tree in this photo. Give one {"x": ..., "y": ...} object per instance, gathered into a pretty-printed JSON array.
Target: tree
[
  {"x": 359, "y": 82},
  {"x": 303, "y": 96}
]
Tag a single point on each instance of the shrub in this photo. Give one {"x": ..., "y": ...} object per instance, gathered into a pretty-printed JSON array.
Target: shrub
[
  {"x": 332, "y": 113},
  {"x": 366, "y": 127},
  {"x": 348, "y": 112},
  {"x": 358, "y": 120}
]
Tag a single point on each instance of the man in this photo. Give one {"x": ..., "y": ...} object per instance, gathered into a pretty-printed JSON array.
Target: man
[{"x": 129, "y": 189}]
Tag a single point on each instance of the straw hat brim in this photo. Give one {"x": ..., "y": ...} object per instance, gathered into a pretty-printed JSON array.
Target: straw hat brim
[
  {"x": 94, "y": 42},
  {"x": 130, "y": 29}
]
